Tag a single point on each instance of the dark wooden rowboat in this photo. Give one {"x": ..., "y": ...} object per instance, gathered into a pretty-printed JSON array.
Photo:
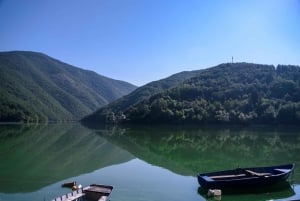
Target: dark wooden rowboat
[{"x": 254, "y": 177}]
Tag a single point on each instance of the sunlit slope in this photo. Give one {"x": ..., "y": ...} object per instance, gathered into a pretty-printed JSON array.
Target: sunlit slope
[{"x": 36, "y": 87}]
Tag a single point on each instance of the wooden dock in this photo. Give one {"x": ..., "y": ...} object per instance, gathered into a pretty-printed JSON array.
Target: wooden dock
[
  {"x": 77, "y": 195},
  {"x": 93, "y": 192}
]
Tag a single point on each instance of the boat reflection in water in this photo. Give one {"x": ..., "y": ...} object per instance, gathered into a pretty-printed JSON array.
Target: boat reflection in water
[{"x": 280, "y": 191}]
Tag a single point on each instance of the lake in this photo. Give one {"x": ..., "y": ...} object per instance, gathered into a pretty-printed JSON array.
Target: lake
[{"x": 143, "y": 163}]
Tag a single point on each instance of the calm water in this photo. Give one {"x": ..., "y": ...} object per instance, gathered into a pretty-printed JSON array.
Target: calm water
[{"x": 142, "y": 163}]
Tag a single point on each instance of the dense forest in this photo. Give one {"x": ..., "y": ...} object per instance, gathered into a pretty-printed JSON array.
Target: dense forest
[
  {"x": 37, "y": 88},
  {"x": 232, "y": 93},
  {"x": 141, "y": 93}
]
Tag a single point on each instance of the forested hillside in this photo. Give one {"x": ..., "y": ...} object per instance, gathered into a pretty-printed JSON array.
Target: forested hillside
[
  {"x": 144, "y": 92},
  {"x": 238, "y": 93},
  {"x": 36, "y": 87}
]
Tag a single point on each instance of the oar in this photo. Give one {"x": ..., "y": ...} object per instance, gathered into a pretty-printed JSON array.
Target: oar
[{"x": 258, "y": 174}]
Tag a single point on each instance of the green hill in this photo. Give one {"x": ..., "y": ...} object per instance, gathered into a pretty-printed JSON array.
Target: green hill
[
  {"x": 36, "y": 87},
  {"x": 233, "y": 93},
  {"x": 144, "y": 92}
]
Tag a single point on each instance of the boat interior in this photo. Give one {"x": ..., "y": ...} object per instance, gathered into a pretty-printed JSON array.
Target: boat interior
[{"x": 240, "y": 173}]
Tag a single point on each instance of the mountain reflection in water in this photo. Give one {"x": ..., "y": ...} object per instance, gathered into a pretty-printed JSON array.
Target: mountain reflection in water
[
  {"x": 36, "y": 156},
  {"x": 190, "y": 150},
  {"x": 35, "y": 160}
]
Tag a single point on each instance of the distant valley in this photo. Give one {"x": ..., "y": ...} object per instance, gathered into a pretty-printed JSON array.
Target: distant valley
[{"x": 37, "y": 88}]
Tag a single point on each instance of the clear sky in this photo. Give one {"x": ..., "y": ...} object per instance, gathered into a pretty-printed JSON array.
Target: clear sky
[{"x": 145, "y": 40}]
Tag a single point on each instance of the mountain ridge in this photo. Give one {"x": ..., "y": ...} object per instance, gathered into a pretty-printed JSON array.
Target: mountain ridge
[
  {"x": 230, "y": 93},
  {"x": 139, "y": 94},
  {"x": 37, "y": 87}
]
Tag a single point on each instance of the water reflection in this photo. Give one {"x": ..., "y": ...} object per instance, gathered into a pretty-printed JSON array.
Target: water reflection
[
  {"x": 36, "y": 156},
  {"x": 278, "y": 191},
  {"x": 187, "y": 151},
  {"x": 35, "y": 160}
]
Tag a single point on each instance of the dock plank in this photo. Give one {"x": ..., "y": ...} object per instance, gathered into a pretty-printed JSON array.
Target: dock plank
[{"x": 70, "y": 196}]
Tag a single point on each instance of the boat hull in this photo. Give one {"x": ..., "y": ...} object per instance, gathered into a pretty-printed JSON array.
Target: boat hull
[{"x": 255, "y": 177}]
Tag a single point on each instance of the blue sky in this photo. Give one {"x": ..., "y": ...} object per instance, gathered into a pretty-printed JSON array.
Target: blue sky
[{"x": 145, "y": 40}]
